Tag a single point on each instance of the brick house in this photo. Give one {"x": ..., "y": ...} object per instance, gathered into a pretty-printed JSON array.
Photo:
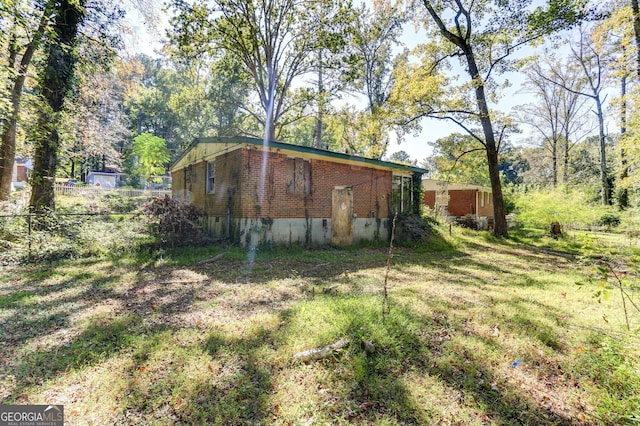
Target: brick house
[
  {"x": 459, "y": 200},
  {"x": 21, "y": 172},
  {"x": 278, "y": 193}
]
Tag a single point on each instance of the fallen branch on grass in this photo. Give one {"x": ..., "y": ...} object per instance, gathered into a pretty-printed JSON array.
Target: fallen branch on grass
[
  {"x": 212, "y": 259},
  {"x": 330, "y": 288},
  {"x": 201, "y": 280},
  {"x": 320, "y": 353}
]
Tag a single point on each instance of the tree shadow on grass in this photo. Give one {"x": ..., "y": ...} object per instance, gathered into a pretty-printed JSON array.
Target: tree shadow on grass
[
  {"x": 461, "y": 361},
  {"x": 366, "y": 388},
  {"x": 101, "y": 339},
  {"x": 238, "y": 393},
  {"x": 30, "y": 320},
  {"x": 379, "y": 387},
  {"x": 316, "y": 266}
]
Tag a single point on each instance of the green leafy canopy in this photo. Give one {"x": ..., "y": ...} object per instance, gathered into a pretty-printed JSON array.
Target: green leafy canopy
[{"x": 152, "y": 154}]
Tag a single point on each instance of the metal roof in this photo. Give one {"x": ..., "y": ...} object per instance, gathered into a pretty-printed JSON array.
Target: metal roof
[{"x": 301, "y": 149}]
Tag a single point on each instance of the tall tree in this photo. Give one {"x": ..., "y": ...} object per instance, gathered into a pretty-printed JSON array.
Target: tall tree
[
  {"x": 149, "y": 156},
  {"x": 629, "y": 143},
  {"x": 28, "y": 26},
  {"x": 95, "y": 130},
  {"x": 216, "y": 85},
  {"x": 272, "y": 40},
  {"x": 374, "y": 41},
  {"x": 559, "y": 115},
  {"x": 588, "y": 58},
  {"x": 615, "y": 37},
  {"x": 636, "y": 31},
  {"x": 484, "y": 35},
  {"x": 333, "y": 19},
  {"x": 56, "y": 82}
]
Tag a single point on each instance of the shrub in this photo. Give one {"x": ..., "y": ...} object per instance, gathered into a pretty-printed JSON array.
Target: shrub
[
  {"x": 119, "y": 203},
  {"x": 411, "y": 228},
  {"x": 468, "y": 221},
  {"x": 609, "y": 220},
  {"x": 540, "y": 208},
  {"x": 174, "y": 223}
]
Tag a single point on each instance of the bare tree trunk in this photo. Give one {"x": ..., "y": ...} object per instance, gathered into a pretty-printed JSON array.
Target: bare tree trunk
[
  {"x": 623, "y": 193},
  {"x": 636, "y": 30},
  {"x": 10, "y": 124},
  {"x": 554, "y": 161},
  {"x": 320, "y": 102},
  {"x": 44, "y": 165},
  {"x": 499, "y": 214},
  {"x": 565, "y": 155},
  {"x": 606, "y": 196},
  {"x": 56, "y": 82},
  {"x": 269, "y": 123}
]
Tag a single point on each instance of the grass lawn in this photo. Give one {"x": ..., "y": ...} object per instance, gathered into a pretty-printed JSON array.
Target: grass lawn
[{"x": 480, "y": 331}]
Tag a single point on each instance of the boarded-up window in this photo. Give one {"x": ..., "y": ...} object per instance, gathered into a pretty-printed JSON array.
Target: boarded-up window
[{"x": 298, "y": 176}]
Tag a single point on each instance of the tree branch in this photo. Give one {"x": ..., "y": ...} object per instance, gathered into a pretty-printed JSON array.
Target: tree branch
[{"x": 457, "y": 158}]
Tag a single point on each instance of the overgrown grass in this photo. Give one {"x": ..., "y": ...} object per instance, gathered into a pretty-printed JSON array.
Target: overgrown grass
[{"x": 157, "y": 338}]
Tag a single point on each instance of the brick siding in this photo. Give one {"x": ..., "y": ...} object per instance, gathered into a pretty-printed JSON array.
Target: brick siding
[
  {"x": 371, "y": 188},
  {"x": 429, "y": 199},
  {"x": 240, "y": 188},
  {"x": 462, "y": 202}
]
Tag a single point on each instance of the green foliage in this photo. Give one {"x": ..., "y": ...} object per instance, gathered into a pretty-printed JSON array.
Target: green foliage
[
  {"x": 629, "y": 145},
  {"x": 630, "y": 222},
  {"x": 540, "y": 208},
  {"x": 118, "y": 203},
  {"x": 609, "y": 220},
  {"x": 609, "y": 367},
  {"x": 609, "y": 274},
  {"x": 459, "y": 158},
  {"x": 198, "y": 94},
  {"x": 68, "y": 234},
  {"x": 508, "y": 193},
  {"x": 150, "y": 154},
  {"x": 271, "y": 40},
  {"x": 400, "y": 157},
  {"x": 556, "y": 15},
  {"x": 375, "y": 36}
]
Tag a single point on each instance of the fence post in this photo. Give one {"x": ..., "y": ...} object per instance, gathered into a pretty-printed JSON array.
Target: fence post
[{"x": 29, "y": 236}]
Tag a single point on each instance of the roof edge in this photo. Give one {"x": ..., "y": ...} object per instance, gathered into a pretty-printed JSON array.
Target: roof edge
[{"x": 299, "y": 148}]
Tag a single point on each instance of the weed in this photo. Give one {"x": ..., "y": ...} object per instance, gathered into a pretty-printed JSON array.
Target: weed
[{"x": 609, "y": 368}]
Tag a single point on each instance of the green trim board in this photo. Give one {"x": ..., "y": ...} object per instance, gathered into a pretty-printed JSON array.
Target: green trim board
[{"x": 301, "y": 149}]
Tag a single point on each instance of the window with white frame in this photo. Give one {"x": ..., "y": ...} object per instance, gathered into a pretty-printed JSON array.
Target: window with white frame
[
  {"x": 401, "y": 193},
  {"x": 211, "y": 177}
]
